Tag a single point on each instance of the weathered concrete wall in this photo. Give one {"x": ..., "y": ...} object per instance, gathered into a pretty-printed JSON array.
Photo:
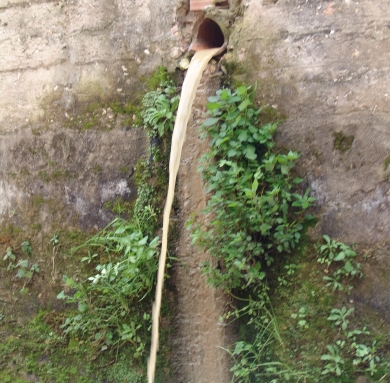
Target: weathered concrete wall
[
  {"x": 61, "y": 53},
  {"x": 324, "y": 65},
  {"x": 62, "y": 64}
]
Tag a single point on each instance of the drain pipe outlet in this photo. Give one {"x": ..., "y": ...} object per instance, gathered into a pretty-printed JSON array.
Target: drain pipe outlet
[{"x": 209, "y": 36}]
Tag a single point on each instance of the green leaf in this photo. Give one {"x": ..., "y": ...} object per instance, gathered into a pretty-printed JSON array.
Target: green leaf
[
  {"x": 348, "y": 267},
  {"x": 340, "y": 256},
  {"x": 21, "y": 273},
  {"x": 213, "y": 99},
  {"x": 250, "y": 152},
  {"x": 255, "y": 185},
  {"x": 82, "y": 306},
  {"x": 265, "y": 228},
  {"x": 243, "y": 136},
  {"x": 210, "y": 121},
  {"x": 213, "y": 106},
  {"x": 244, "y": 104},
  {"x": 232, "y": 153},
  {"x": 23, "y": 263},
  {"x": 241, "y": 90},
  {"x": 284, "y": 169}
]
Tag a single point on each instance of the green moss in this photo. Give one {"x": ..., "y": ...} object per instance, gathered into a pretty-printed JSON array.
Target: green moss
[
  {"x": 234, "y": 74},
  {"x": 38, "y": 200},
  {"x": 36, "y": 227},
  {"x": 270, "y": 115},
  {"x": 90, "y": 123},
  {"x": 341, "y": 142},
  {"x": 24, "y": 172},
  {"x": 120, "y": 207},
  {"x": 159, "y": 76},
  {"x": 97, "y": 169},
  {"x": 56, "y": 175},
  {"x": 124, "y": 169},
  {"x": 386, "y": 163}
]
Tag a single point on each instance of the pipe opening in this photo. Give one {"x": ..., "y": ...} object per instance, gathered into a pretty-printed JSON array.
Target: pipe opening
[{"x": 209, "y": 36}]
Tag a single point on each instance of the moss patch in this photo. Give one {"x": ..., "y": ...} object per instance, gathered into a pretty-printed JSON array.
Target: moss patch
[
  {"x": 386, "y": 163},
  {"x": 341, "y": 142}
]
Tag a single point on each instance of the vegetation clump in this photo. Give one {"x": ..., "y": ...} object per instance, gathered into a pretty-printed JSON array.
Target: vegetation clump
[
  {"x": 252, "y": 193},
  {"x": 109, "y": 291},
  {"x": 113, "y": 303},
  {"x": 293, "y": 325}
]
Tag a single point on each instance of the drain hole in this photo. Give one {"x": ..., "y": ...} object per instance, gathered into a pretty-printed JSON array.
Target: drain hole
[{"x": 209, "y": 36}]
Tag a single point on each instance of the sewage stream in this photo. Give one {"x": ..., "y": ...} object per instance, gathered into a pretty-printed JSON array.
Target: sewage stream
[{"x": 191, "y": 82}]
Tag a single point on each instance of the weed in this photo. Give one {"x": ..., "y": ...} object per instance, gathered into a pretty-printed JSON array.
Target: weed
[
  {"x": 339, "y": 317},
  {"x": 252, "y": 202},
  {"x": 24, "y": 268},
  {"x": 113, "y": 302},
  {"x": 252, "y": 193},
  {"x": 55, "y": 240},
  {"x": 158, "y": 77},
  {"x": 334, "y": 359},
  {"x": 159, "y": 110},
  {"x": 342, "y": 257}
]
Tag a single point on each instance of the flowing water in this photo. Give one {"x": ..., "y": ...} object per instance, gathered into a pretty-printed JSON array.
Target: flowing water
[{"x": 190, "y": 84}]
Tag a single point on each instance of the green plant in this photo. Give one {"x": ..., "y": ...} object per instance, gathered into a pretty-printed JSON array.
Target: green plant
[
  {"x": 342, "y": 257},
  {"x": 110, "y": 310},
  {"x": 252, "y": 197},
  {"x": 339, "y": 317},
  {"x": 89, "y": 258},
  {"x": 334, "y": 282},
  {"x": 341, "y": 142},
  {"x": 54, "y": 240},
  {"x": 26, "y": 247},
  {"x": 301, "y": 315},
  {"x": 24, "y": 268},
  {"x": 9, "y": 254},
  {"x": 257, "y": 216},
  {"x": 159, "y": 109},
  {"x": 334, "y": 359}
]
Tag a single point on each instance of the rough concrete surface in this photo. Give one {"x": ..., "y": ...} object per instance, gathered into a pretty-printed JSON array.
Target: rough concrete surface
[
  {"x": 324, "y": 66},
  {"x": 55, "y": 53}
]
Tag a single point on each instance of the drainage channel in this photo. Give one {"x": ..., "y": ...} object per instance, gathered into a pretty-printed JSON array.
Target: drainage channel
[{"x": 209, "y": 42}]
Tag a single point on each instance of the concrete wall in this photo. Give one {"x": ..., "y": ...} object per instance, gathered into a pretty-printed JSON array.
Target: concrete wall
[
  {"x": 61, "y": 53},
  {"x": 324, "y": 66}
]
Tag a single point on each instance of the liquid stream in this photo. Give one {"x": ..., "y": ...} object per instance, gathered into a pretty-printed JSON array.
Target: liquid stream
[{"x": 191, "y": 82}]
